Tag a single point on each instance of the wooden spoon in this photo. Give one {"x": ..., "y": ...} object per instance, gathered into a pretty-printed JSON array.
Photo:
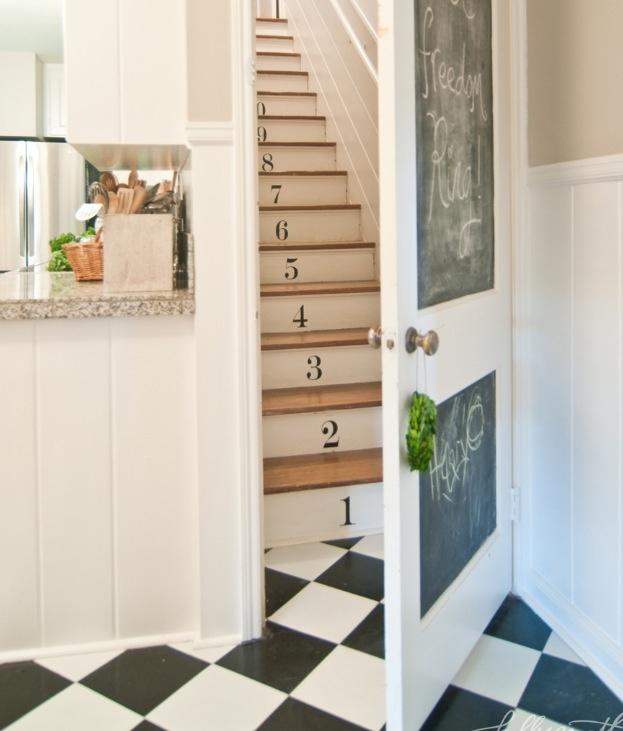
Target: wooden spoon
[
  {"x": 133, "y": 179},
  {"x": 113, "y": 202},
  {"x": 109, "y": 181}
]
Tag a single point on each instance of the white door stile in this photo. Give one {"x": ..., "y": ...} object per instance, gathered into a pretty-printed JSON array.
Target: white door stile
[{"x": 250, "y": 409}]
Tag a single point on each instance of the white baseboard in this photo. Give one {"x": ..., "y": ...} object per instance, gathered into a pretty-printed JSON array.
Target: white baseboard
[
  {"x": 599, "y": 653},
  {"x": 129, "y": 643}
]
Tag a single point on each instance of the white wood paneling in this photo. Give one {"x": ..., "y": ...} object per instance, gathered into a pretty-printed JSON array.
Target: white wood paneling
[
  {"x": 347, "y": 96},
  {"x": 74, "y": 464},
  {"x": 19, "y": 548},
  {"x": 570, "y": 403},
  {"x": 153, "y": 438},
  {"x": 98, "y": 505}
]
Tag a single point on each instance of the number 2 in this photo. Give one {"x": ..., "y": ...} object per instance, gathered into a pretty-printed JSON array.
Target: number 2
[{"x": 329, "y": 429}]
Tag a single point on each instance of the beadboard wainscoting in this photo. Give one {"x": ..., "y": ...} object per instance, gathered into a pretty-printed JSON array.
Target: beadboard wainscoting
[
  {"x": 338, "y": 45},
  {"x": 98, "y": 498},
  {"x": 569, "y": 406}
]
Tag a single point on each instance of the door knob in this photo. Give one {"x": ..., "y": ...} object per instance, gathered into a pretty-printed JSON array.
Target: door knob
[
  {"x": 429, "y": 342},
  {"x": 375, "y": 337}
]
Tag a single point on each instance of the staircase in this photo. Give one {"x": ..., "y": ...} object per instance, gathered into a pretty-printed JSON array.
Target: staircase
[{"x": 319, "y": 295}]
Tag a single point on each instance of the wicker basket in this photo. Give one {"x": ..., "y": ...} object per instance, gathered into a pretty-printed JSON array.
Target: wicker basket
[{"x": 86, "y": 260}]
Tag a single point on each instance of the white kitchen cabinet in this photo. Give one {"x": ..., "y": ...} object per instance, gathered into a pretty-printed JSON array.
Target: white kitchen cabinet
[
  {"x": 20, "y": 87},
  {"x": 54, "y": 100},
  {"x": 125, "y": 76}
]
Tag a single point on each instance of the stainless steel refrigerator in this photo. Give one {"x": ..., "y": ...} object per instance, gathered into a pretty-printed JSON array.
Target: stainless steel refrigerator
[{"x": 42, "y": 184}]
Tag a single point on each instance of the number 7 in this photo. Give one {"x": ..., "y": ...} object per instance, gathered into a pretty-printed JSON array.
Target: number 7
[{"x": 278, "y": 189}]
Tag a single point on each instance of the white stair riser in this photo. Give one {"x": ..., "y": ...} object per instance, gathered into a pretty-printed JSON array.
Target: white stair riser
[
  {"x": 338, "y": 365},
  {"x": 274, "y": 159},
  {"x": 317, "y": 266},
  {"x": 322, "y": 312},
  {"x": 320, "y": 515},
  {"x": 278, "y": 63},
  {"x": 291, "y": 226},
  {"x": 283, "y": 45},
  {"x": 263, "y": 27},
  {"x": 304, "y": 190},
  {"x": 281, "y": 82},
  {"x": 299, "y": 130},
  {"x": 291, "y": 105},
  {"x": 291, "y": 434}
]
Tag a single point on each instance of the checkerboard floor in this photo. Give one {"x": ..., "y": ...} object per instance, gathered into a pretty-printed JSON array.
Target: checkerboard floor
[{"x": 320, "y": 667}]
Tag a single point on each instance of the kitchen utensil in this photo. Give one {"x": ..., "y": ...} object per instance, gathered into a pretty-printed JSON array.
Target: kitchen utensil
[{"x": 109, "y": 181}]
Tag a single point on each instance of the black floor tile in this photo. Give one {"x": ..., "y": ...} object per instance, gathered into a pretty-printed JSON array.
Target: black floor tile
[
  {"x": 369, "y": 636},
  {"x": 280, "y": 588},
  {"x": 569, "y": 693},
  {"x": 460, "y": 710},
  {"x": 282, "y": 659},
  {"x": 23, "y": 687},
  {"x": 346, "y": 543},
  {"x": 356, "y": 573},
  {"x": 292, "y": 715},
  {"x": 516, "y": 622},
  {"x": 142, "y": 679},
  {"x": 147, "y": 726}
]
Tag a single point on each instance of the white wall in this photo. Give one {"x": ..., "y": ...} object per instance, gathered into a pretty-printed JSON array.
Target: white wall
[
  {"x": 344, "y": 74},
  {"x": 98, "y": 497},
  {"x": 571, "y": 409}
]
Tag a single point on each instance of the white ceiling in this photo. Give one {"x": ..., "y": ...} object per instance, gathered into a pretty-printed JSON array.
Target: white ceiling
[{"x": 32, "y": 25}]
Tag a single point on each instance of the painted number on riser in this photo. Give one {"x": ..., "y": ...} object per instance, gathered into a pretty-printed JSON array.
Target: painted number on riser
[
  {"x": 261, "y": 109},
  {"x": 267, "y": 163},
  {"x": 330, "y": 430},
  {"x": 262, "y": 134},
  {"x": 299, "y": 319},
  {"x": 281, "y": 231},
  {"x": 315, "y": 372},
  {"x": 347, "y": 517},
  {"x": 292, "y": 272}
]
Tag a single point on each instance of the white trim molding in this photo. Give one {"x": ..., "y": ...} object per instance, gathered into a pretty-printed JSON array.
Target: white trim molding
[
  {"x": 577, "y": 172},
  {"x": 210, "y": 133}
]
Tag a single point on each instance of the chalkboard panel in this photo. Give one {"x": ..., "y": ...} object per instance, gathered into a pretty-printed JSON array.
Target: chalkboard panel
[
  {"x": 454, "y": 112},
  {"x": 458, "y": 493}
]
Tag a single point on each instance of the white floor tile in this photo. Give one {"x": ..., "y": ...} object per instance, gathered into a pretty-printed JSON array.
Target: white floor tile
[
  {"x": 76, "y": 667},
  {"x": 308, "y": 560},
  {"x": 523, "y": 721},
  {"x": 348, "y": 684},
  {"x": 498, "y": 669},
  {"x": 207, "y": 654},
  {"x": 77, "y": 709},
  {"x": 324, "y": 612},
  {"x": 370, "y": 546},
  {"x": 216, "y": 698},
  {"x": 558, "y": 648}
]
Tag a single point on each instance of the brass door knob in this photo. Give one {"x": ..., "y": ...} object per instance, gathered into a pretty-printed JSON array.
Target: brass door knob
[
  {"x": 375, "y": 337},
  {"x": 429, "y": 342}
]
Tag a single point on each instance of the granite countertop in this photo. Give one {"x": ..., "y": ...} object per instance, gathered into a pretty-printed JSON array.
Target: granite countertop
[{"x": 42, "y": 295}]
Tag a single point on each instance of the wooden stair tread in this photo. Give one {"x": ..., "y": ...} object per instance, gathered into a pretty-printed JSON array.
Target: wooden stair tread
[
  {"x": 280, "y": 54},
  {"x": 282, "y": 73},
  {"x": 287, "y": 93},
  {"x": 316, "y": 339},
  {"x": 318, "y": 246},
  {"x": 266, "y": 36},
  {"x": 327, "y": 207},
  {"x": 296, "y": 144},
  {"x": 292, "y": 117},
  {"x": 311, "y": 288},
  {"x": 317, "y": 471},
  {"x": 303, "y": 173},
  {"x": 271, "y": 20},
  {"x": 306, "y": 400}
]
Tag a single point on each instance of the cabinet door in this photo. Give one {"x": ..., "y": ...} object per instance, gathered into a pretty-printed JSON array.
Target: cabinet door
[
  {"x": 92, "y": 72},
  {"x": 153, "y": 71}
]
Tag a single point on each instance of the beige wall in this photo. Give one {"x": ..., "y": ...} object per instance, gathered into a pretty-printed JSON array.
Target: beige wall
[
  {"x": 575, "y": 59},
  {"x": 209, "y": 61}
]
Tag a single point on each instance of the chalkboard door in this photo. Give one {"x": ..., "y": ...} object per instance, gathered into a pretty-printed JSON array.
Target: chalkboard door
[{"x": 444, "y": 121}]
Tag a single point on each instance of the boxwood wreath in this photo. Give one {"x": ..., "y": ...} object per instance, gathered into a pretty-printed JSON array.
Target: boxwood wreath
[{"x": 421, "y": 431}]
